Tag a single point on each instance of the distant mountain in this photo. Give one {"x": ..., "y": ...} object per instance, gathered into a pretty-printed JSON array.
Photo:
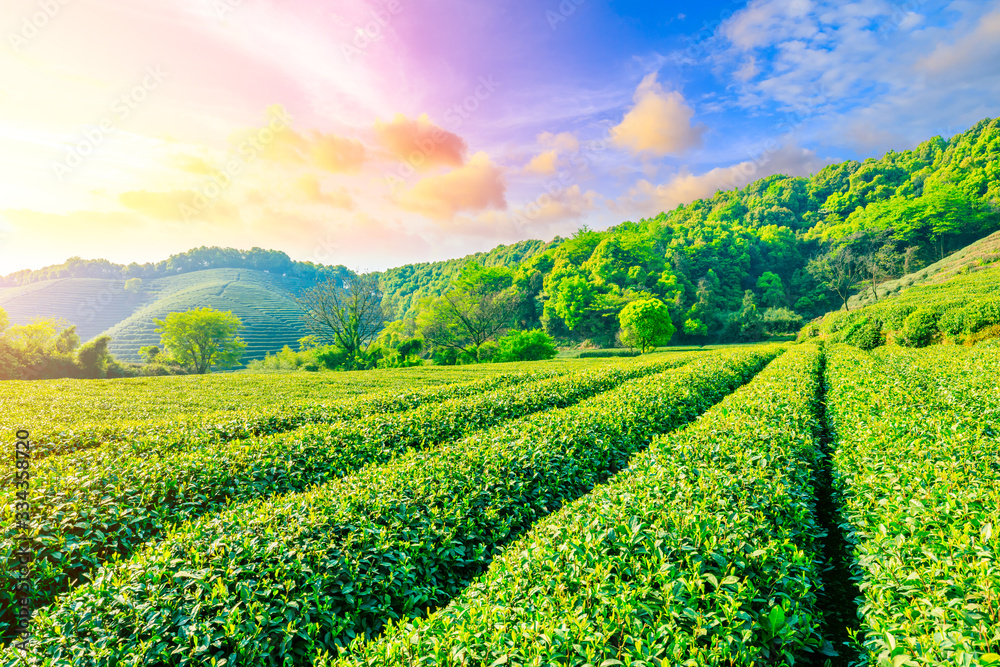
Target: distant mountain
[{"x": 263, "y": 299}]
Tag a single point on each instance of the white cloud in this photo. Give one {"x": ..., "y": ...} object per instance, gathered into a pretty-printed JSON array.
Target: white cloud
[
  {"x": 659, "y": 123},
  {"x": 647, "y": 199},
  {"x": 869, "y": 75}
]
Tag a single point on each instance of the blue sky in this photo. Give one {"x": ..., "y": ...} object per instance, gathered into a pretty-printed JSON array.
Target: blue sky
[{"x": 395, "y": 131}]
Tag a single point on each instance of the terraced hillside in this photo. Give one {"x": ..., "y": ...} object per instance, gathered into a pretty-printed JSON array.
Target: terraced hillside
[
  {"x": 92, "y": 304},
  {"x": 263, "y": 301}
]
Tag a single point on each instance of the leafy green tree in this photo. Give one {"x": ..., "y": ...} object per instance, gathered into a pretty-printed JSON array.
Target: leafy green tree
[
  {"x": 771, "y": 290},
  {"x": 645, "y": 323},
  {"x": 880, "y": 266},
  {"x": 202, "y": 338},
  {"x": 479, "y": 306},
  {"x": 838, "y": 271},
  {"x": 695, "y": 327},
  {"x": 133, "y": 285},
  {"x": 345, "y": 313},
  {"x": 571, "y": 299},
  {"x": 94, "y": 357},
  {"x": 150, "y": 354},
  {"x": 746, "y": 324},
  {"x": 781, "y": 321}
]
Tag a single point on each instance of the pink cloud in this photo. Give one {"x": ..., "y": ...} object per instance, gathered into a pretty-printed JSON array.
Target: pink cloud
[
  {"x": 476, "y": 186},
  {"x": 421, "y": 143}
]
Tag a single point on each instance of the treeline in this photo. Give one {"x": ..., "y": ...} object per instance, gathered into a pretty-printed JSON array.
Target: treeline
[
  {"x": 46, "y": 349},
  {"x": 765, "y": 257},
  {"x": 198, "y": 259},
  {"x": 404, "y": 286}
]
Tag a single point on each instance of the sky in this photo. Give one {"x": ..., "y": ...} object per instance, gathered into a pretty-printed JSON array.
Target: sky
[{"x": 375, "y": 133}]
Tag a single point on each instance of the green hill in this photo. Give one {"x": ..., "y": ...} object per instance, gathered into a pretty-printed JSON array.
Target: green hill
[
  {"x": 264, "y": 302},
  {"x": 960, "y": 306},
  {"x": 404, "y": 286},
  {"x": 718, "y": 262},
  {"x": 977, "y": 256}
]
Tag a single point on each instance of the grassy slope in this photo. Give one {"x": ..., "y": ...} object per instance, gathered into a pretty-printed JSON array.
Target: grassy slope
[{"x": 974, "y": 257}]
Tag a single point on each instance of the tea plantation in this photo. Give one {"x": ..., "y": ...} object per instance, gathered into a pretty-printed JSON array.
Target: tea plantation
[{"x": 808, "y": 504}]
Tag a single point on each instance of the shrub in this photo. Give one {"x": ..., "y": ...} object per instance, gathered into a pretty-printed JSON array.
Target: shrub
[
  {"x": 896, "y": 315},
  {"x": 952, "y": 321},
  {"x": 487, "y": 352},
  {"x": 781, "y": 321},
  {"x": 810, "y": 330},
  {"x": 331, "y": 357},
  {"x": 981, "y": 314},
  {"x": 94, "y": 357},
  {"x": 533, "y": 345},
  {"x": 865, "y": 333},
  {"x": 919, "y": 328},
  {"x": 124, "y": 369}
]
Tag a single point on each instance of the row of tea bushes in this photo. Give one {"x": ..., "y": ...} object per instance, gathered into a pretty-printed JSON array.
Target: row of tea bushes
[
  {"x": 87, "y": 509},
  {"x": 134, "y": 436},
  {"x": 917, "y": 467},
  {"x": 704, "y": 552},
  {"x": 275, "y": 582}
]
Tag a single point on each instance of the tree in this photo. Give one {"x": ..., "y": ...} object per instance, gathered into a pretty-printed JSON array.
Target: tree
[
  {"x": 838, "y": 271},
  {"x": 150, "y": 353},
  {"x": 201, "y": 338},
  {"x": 133, "y": 285},
  {"x": 748, "y": 322},
  {"x": 879, "y": 266},
  {"x": 772, "y": 292},
  {"x": 94, "y": 357},
  {"x": 479, "y": 306},
  {"x": 645, "y": 324},
  {"x": 346, "y": 312}
]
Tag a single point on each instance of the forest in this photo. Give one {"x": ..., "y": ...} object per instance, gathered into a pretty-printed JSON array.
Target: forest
[{"x": 767, "y": 257}]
